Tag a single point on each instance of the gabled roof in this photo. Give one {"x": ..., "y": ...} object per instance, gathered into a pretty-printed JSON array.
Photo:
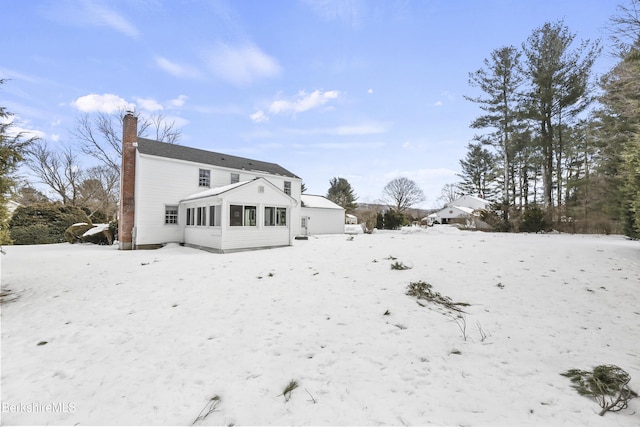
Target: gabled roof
[
  {"x": 227, "y": 188},
  {"x": 215, "y": 191},
  {"x": 460, "y": 201},
  {"x": 444, "y": 212},
  {"x": 180, "y": 152},
  {"x": 313, "y": 201}
]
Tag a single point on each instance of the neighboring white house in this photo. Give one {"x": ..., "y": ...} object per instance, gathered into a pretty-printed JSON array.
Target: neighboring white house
[
  {"x": 320, "y": 215},
  {"x": 457, "y": 210},
  {"x": 203, "y": 199},
  {"x": 351, "y": 219}
]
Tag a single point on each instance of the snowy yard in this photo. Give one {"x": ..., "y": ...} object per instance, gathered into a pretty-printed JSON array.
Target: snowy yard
[{"x": 100, "y": 336}]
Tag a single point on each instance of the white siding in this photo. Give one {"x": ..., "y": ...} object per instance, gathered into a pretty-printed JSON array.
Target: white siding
[
  {"x": 324, "y": 221},
  {"x": 470, "y": 202},
  {"x": 161, "y": 181},
  {"x": 228, "y": 238},
  {"x": 207, "y": 235},
  {"x": 257, "y": 236}
]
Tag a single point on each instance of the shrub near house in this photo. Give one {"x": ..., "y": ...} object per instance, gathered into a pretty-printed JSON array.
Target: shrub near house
[{"x": 44, "y": 223}]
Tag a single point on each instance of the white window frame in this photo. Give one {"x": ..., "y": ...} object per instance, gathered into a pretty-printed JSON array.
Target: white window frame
[
  {"x": 201, "y": 216},
  {"x": 204, "y": 178},
  {"x": 277, "y": 216},
  {"x": 248, "y": 215},
  {"x": 215, "y": 214},
  {"x": 171, "y": 215},
  {"x": 190, "y": 216}
]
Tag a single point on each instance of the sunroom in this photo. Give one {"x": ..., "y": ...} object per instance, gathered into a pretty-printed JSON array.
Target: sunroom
[{"x": 242, "y": 216}]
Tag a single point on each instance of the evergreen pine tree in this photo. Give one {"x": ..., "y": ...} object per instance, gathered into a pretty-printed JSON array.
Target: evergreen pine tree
[
  {"x": 341, "y": 193},
  {"x": 12, "y": 150}
]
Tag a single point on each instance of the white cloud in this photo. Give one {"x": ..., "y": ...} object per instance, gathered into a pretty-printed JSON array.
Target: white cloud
[
  {"x": 447, "y": 96},
  {"x": 349, "y": 12},
  {"x": 54, "y": 137},
  {"x": 149, "y": 104},
  {"x": 102, "y": 15},
  {"x": 16, "y": 127},
  {"x": 370, "y": 91},
  {"x": 303, "y": 102},
  {"x": 179, "y": 121},
  {"x": 241, "y": 65},
  {"x": 177, "y": 70},
  {"x": 341, "y": 146},
  {"x": 346, "y": 130},
  {"x": 421, "y": 174},
  {"x": 178, "y": 102},
  {"x": 259, "y": 117},
  {"x": 365, "y": 129},
  {"x": 83, "y": 13},
  {"x": 106, "y": 103}
]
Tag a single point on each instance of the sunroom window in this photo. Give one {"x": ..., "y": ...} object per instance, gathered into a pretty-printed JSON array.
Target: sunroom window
[{"x": 242, "y": 216}]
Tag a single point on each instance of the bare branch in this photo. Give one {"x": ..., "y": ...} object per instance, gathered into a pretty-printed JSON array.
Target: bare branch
[
  {"x": 57, "y": 170},
  {"x": 402, "y": 193}
]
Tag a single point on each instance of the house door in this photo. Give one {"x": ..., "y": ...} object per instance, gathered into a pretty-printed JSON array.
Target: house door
[{"x": 303, "y": 225}]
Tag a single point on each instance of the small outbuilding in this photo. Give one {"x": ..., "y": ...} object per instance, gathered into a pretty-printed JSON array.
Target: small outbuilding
[{"x": 320, "y": 215}]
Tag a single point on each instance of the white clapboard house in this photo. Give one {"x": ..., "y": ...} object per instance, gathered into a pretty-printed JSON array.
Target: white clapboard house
[
  {"x": 176, "y": 194},
  {"x": 459, "y": 210}
]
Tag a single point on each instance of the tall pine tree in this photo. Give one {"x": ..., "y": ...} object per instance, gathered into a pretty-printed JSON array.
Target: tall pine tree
[
  {"x": 341, "y": 193},
  {"x": 558, "y": 87},
  {"x": 500, "y": 82},
  {"x": 478, "y": 171}
]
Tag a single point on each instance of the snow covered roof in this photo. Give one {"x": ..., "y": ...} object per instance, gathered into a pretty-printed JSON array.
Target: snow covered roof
[
  {"x": 470, "y": 202},
  {"x": 215, "y": 191},
  {"x": 454, "y": 211},
  {"x": 314, "y": 201}
]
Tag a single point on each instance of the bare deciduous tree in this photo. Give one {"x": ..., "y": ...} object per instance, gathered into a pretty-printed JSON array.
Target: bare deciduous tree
[
  {"x": 402, "y": 193},
  {"x": 449, "y": 193},
  {"x": 98, "y": 192},
  {"x": 100, "y": 135},
  {"x": 59, "y": 171}
]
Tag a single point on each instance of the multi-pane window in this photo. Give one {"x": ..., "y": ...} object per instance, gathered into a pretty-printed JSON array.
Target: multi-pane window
[
  {"x": 201, "y": 216},
  {"x": 287, "y": 187},
  {"x": 235, "y": 177},
  {"x": 235, "y": 215},
  {"x": 204, "y": 178},
  {"x": 191, "y": 216},
  {"x": 242, "y": 215},
  {"x": 214, "y": 216},
  {"x": 171, "y": 214},
  {"x": 250, "y": 216},
  {"x": 275, "y": 216}
]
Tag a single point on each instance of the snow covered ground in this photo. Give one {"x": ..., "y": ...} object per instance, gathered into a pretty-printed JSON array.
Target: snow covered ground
[{"x": 101, "y": 336}]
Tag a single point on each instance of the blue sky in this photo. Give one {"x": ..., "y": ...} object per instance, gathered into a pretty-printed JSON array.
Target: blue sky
[{"x": 368, "y": 90}]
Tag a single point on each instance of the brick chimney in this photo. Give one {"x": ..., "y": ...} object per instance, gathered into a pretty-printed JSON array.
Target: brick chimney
[{"x": 128, "y": 181}]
